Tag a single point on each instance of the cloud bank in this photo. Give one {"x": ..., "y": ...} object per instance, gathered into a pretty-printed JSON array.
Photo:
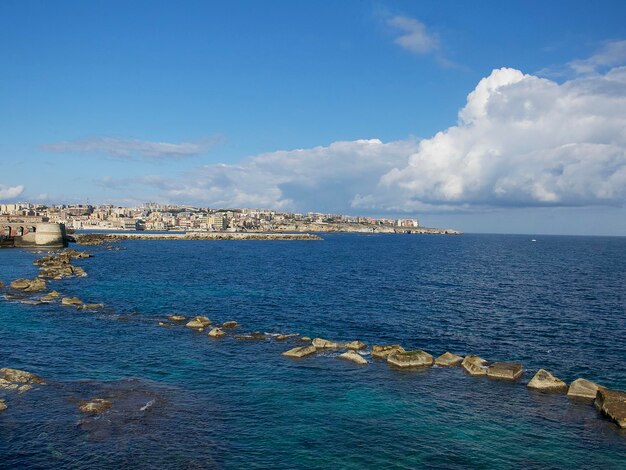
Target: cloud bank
[
  {"x": 520, "y": 141},
  {"x": 10, "y": 192},
  {"x": 128, "y": 148}
]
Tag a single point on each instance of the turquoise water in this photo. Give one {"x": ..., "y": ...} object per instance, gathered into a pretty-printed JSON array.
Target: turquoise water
[{"x": 558, "y": 303}]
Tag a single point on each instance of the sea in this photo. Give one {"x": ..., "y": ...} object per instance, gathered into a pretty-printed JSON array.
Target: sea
[{"x": 184, "y": 400}]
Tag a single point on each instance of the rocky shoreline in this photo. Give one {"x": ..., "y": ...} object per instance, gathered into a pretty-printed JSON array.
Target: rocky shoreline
[{"x": 611, "y": 403}]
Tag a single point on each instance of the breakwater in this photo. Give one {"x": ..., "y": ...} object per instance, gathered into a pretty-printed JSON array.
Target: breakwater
[
  {"x": 611, "y": 403},
  {"x": 100, "y": 238}
]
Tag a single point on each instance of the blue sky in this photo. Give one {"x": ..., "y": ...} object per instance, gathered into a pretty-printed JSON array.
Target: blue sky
[{"x": 331, "y": 106}]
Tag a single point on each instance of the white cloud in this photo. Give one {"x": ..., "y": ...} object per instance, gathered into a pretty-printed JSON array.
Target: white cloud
[
  {"x": 415, "y": 37},
  {"x": 129, "y": 148},
  {"x": 520, "y": 141},
  {"x": 609, "y": 55},
  {"x": 10, "y": 192}
]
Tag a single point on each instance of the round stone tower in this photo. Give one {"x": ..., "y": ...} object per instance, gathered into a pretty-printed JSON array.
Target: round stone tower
[{"x": 50, "y": 235}]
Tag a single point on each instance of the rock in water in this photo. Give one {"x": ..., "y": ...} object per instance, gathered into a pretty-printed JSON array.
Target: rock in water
[
  {"x": 6, "y": 385},
  {"x": 27, "y": 285},
  {"x": 321, "y": 343},
  {"x": 36, "y": 285},
  {"x": 581, "y": 388},
  {"x": 198, "y": 322},
  {"x": 3, "y": 405},
  {"x": 544, "y": 380},
  {"x": 50, "y": 296},
  {"x": 177, "y": 318},
  {"x": 383, "y": 351},
  {"x": 505, "y": 370},
  {"x": 95, "y": 406},
  {"x": 300, "y": 351},
  {"x": 229, "y": 324},
  {"x": 448, "y": 359},
  {"x": 356, "y": 345},
  {"x": 20, "y": 284},
  {"x": 20, "y": 376},
  {"x": 71, "y": 301},
  {"x": 354, "y": 357},
  {"x": 612, "y": 403},
  {"x": 474, "y": 365},
  {"x": 216, "y": 333},
  {"x": 416, "y": 358}
]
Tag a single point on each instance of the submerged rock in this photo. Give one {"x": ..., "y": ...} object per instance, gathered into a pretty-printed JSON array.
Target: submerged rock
[
  {"x": 229, "y": 324},
  {"x": 283, "y": 337},
  {"x": 544, "y": 380},
  {"x": 321, "y": 343},
  {"x": 300, "y": 351},
  {"x": 256, "y": 336},
  {"x": 24, "y": 388},
  {"x": 612, "y": 403},
  {"x": 216, "y": 333},
  {"x": 95, "y": 405},
  {"x": 176, "y": 318},
  {"x": 20, "y": 376},
  {"x": 581, "y": 388},
  {"x": 505, "y": 370},
  {"x": 198, "y": 322},
  {"x": 90, "y": 306},
  {"x": 71, "y": 301},
  {"x": 353, "y": 356},
  {"x": 383, "y": 351},
  {"x": 356, "y": 345},
  {"x": 417, "y": 358},
  {"x": 3, "y": 405},
  {"x": 448, "y": 359},
  {"x": 1, "y": 284},
  {"x": 474, "y": 365}
]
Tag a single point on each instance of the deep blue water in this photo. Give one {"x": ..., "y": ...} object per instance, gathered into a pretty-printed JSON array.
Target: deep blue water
[{"x": 558, "y": 303}]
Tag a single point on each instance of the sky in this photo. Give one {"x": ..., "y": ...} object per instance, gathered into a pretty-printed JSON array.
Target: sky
[{"x": 491, "y": 116}]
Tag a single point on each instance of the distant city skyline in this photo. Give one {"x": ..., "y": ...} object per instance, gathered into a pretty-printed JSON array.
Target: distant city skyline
[{"x": 485, "y": 117}]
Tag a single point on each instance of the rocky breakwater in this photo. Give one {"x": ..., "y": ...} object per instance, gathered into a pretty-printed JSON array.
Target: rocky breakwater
[
  {"x": 52, "y": 268},
  {"x": 98, "y": 239}
]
